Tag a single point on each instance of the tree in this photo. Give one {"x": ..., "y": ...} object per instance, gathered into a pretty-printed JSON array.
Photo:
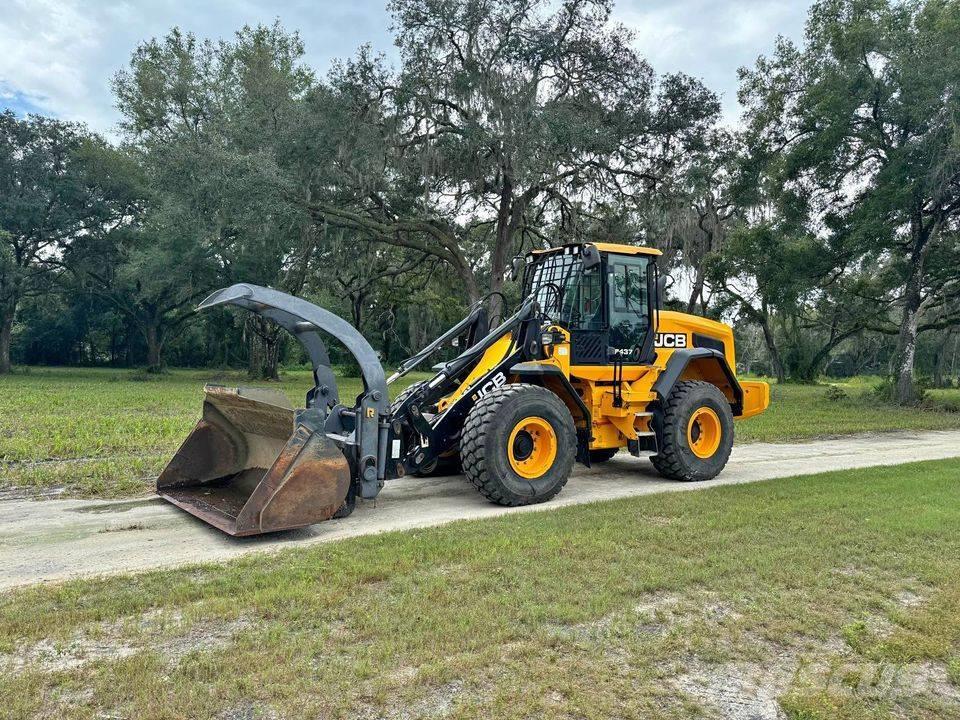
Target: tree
[
  {"x": 153, "y": 272},
  {"x": 504, "y": 118},
  {"x": 216, "y": 126},
  {"x": 46, "y": 201},
  {"x": 861, "y": 126},
  {"x": 759, "y": 270},
  {"x": 708, "y": 208}
]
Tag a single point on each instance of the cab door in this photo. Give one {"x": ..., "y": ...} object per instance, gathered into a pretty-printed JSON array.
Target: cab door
[{"x": 629, "y": 287}]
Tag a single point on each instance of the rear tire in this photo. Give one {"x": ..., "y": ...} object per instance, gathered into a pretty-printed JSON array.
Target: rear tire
[
  {"x": 694, "y": 433},
  {"x": 518, "y": 445}
]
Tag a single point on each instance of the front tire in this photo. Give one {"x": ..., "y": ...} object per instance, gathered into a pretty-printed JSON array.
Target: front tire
[
  {"x": 518, "y": 445},
  {"x": 695, "y": 433}
]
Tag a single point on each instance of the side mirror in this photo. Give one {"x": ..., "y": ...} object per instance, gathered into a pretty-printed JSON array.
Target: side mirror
[
  {"x": 589, "y": 256},
  {"x": 516, "y": 266}
]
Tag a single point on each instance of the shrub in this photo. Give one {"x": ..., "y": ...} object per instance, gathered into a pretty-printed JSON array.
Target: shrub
[
  {"x": 886, "y": 389},
  {"x": 835, "y": 393}
]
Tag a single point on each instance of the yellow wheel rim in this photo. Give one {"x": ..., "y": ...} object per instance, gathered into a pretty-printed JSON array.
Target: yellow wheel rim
[
  {"x": 703, "y": 432},
  {"x": 532, "y": 447}
]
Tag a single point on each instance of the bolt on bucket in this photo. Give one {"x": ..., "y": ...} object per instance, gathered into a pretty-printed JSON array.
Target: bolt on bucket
[{"x": 251, "y": 466}]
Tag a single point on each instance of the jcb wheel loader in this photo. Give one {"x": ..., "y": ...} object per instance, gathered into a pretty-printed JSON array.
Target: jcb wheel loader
[{"x": 587, "y": 365}]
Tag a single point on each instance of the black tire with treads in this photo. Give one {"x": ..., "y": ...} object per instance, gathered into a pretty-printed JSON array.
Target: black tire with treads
[
  {"x": 486, "y": 432},
  {"x": 676, "y": 460}
]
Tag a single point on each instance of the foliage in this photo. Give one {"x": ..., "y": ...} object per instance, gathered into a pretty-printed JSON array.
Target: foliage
[
  {"x": 825, "y": 227},
  {"x": 858, "y": 132},
  {"x": 47, "y": 199},
  {"x": 835, "y": 394},
  {"x": 504, "y": 123}
]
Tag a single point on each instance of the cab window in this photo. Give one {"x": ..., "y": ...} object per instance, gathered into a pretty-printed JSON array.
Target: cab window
[
  {"x": 583, "y": 303},
  {"x": 629, "y": 305}
]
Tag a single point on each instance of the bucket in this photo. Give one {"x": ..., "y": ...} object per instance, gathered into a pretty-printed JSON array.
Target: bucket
[{"x": 253, "y": 465}]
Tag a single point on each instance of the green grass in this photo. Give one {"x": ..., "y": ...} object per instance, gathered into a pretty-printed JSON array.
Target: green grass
[
  {"x": 107, "y": 433},
  {"x": 801, "y": 412},
  {"x": 838, "y": 593}
]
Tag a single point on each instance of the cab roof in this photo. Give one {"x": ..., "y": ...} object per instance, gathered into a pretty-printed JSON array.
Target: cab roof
[{"x": 614, "y": 248}]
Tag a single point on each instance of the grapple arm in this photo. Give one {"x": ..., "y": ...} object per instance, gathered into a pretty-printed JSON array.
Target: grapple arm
[
  {"x": 304, "y": 320},
  {"x": 253, "y": 464}
]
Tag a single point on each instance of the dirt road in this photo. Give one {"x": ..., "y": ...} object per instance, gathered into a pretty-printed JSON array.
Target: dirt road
[{"x": 57, "y": 539}]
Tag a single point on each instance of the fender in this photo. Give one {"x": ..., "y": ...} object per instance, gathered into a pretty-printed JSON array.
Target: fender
[{"x": 681, "y": 359}]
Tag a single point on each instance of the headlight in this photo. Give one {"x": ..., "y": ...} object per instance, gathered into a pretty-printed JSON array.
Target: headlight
[{"x": 547, "y": 339}]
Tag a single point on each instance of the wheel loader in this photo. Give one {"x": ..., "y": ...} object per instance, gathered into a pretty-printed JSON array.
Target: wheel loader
[{"x": 587, "y": 365}]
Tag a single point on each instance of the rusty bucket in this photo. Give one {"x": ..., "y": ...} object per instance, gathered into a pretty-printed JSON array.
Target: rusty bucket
[{"x": 251, "y": 466}]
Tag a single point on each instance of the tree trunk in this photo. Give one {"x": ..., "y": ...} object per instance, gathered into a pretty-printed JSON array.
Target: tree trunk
[
  {"x": 904, "y": 390},
  {"x": 264, "y": 339},
  {"x": 697, "y": 294},
  {"x": 905, "y": 393},
  {"x": 940, "y": 364},
  {"x": 470, "y": 285},
  {"x": 809, "y": 373},
  {"x": 356, "y": 309},
  {"x": 953, "y": 358},
  {"x": 502, "y": 243},
  {"x": 770, "y": 341},
  {"x": 6, "y": 333},
  {"x": 154, "y": 340}
]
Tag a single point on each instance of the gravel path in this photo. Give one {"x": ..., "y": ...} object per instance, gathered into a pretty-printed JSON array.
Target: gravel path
[{"x": 42, "y": 541}]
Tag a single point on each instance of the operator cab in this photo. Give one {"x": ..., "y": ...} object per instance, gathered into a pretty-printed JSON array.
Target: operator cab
[{"x": 603, "y": 294}]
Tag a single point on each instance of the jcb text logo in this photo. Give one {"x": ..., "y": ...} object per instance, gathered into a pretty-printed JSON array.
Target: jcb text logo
[
  {"x": 670, "y": 340},
  {"x": 491, "y": 384}
]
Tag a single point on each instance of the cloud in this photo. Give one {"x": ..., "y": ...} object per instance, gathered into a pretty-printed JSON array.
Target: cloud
[
  {"x": 20, "y": 103},
  {"x": 710, "y": 40},
  {"x": 48, "y": 71},
  {"x": 58, "y": 56}
]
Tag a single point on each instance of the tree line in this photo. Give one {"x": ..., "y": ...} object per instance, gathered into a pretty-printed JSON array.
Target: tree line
[{"x": 825, "y": 226}]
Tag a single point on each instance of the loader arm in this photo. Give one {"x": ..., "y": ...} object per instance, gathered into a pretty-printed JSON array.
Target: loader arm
[{"x": 429, "y": 435}]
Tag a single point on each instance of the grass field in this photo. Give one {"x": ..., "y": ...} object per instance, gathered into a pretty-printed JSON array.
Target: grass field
[
  {"x": 832, "y": 596},
  {"x": 107, "y": 433}
]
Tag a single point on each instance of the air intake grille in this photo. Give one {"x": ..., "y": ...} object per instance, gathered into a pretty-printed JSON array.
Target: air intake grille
[
  {"x": 588, "y": 347},
  {"x": 705, "y": 341}
]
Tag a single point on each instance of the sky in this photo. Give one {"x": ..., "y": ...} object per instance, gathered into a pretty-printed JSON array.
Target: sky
[{"x": 57, "y": 56}]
